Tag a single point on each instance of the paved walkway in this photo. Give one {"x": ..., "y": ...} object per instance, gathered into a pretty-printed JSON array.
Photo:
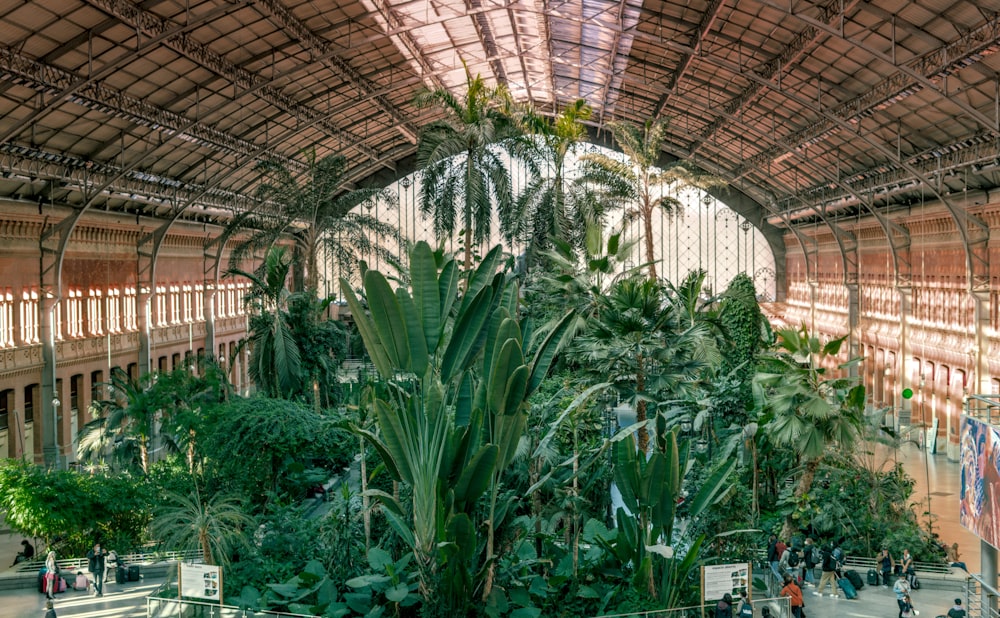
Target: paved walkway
[{"x": 119, "y": 601}]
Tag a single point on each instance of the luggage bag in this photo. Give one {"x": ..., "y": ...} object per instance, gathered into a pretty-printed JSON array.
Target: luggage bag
[
  {"x": 133, "y": 573},
  {"x": 873, "y": 577},
  {"x": 121, "y": 575},
  {"x": 855, "y": 578},
  {"x": 849, "y": 591}
]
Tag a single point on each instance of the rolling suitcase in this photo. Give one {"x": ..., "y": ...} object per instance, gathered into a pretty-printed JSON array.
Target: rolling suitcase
[
  {"x": 855, "y": 578},
  {"x": 133, "y": 573},
  {"x": 873, "y": 577},
  {"x": 849, "y": 591},
  {"x": 121, "y": 575}
]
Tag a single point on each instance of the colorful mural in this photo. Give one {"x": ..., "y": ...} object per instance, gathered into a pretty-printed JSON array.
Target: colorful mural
[{"x": 980, "y": 497}]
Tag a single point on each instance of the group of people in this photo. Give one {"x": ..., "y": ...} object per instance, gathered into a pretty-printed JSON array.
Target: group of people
[{"x": 99, "y": 560}]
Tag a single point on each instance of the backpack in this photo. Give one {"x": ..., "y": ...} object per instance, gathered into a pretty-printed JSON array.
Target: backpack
[
  {"x": 793, "y": 559},
  {"x": 828, "y": 562},
  {"x": 746, "y": 611},
  {"x": 809, "y": 557}
]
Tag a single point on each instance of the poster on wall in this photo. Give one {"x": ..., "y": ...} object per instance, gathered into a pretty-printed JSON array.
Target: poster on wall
[
  {"x": 718, "y": 579},
  {"x": 979, "y": 509},
  {"x": 200, "y": 581}
]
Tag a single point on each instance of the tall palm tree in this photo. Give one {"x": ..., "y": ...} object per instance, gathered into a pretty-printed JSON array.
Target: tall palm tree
[
  {"x": 325, "y": 219},
  {"x": 625, "y": 338},
  {"x": 215, "y": 526},
  {"x": 556, "y": 208},
  {"x": 808, "y": 411},
  {"x": 463, "y": 170},
  {"x": 638, "y": 184}
]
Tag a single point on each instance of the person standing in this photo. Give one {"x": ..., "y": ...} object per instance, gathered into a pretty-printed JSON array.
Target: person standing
[
  {"x": 794, "y": 594},
  {"x": 724, "y": 608},
  {"x": 50, "y": 611},
  {"x": 957, "y": 611},
  {"x": 886, "y": 565},
  {"x": 902, "y": 590},
  {"x": 773, "y": 557},
  {"x": 95, "y": 561},
  {"x": 829, "y": 567},
  {"x": 745, "y": 607},
  {"x": 51, "y": 573},
  {"x": 810, "y": 558}
]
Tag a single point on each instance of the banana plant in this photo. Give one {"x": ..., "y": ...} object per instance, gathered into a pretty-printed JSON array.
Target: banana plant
[
  {"x": 650, "y": 488},
  {"x": 454, "y": 407}
]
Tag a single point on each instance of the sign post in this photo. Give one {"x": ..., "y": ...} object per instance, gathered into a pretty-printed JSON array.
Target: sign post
[
  {"x": 201, "y": 581},
  {"x": 719, "y": 579}
]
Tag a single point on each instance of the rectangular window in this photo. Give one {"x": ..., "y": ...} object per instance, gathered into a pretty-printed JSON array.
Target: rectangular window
[
  {"x": 29, "y": 317},
  {"x": 75, "y": 384},
  {"x": 199, "y": 303},
  {"x": 74, "y": 314},
  {"x": 29, "y": 402},
  {"x": 128, "y": 310},
  {"x": 175, "y": 304},
  {"x": 114, "y": 310},
  {"x": 231, "y": 299},
  {"x": 95, "y": 312},
  {"x": 96, "y": 385},
  {"x": 186, "y": 295},
  {"x": 220, "y": 300},
  {"x": 161, "y": 305},
  {"x": 6, "y": 404}
]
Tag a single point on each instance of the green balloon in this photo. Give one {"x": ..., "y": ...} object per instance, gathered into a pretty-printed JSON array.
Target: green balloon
[{"x": 907, "y": 393}]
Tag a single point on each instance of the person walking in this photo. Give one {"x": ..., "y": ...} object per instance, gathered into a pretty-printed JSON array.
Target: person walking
[
  {"x": 745, "y": 608},
  {"x": 957, "y": 611},
  {"x": 773, "y": 557},
  {"x": 51, "y": 573},
  {"x": 724, "y": 608},
  {"x": 794, "y": 594},
  {"x": 829, "y": 568},
  {"x": 95, "y": 562},
  {"x": 50, "y": 611},
  {"x": 902, "y": 590},
  {"x": 810, "y": 558}
]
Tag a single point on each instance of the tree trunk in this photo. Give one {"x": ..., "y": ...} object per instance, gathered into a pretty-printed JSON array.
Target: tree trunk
[
  {"x": 640, "y": 406},
  {"x": 791, "y": 526},
  {"x": 647, "y": 223},
  {"x": 366, "y": 515}
]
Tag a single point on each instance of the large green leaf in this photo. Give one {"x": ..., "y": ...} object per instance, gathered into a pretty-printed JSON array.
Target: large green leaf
[
  {"x": 505, "y": 363},
  {"x": 466, "y": 334},
  {"x": 547, "y": 351},
  {"x": 426, "y": 296},
  {"x": 475, "y": 478},
  {"x": 400, "y": 443},
  {"x": 516, "y": 392},
  {"x": 388, "y": 318},
  {"x": 417, "y": 344},
  {"x": 368, "y": 333},
  {"x": 482, "y": 276},
  {"x": 626, "y": 473},
  {"x": 508, "y": 430},
  {"x": 712, "y": 488}
]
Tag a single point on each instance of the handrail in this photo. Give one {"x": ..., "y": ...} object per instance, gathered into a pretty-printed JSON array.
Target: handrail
[{"x": 80, "y": 564}]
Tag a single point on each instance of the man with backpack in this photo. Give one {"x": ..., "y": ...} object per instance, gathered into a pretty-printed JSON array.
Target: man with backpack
[
  {"x": 746, "y": 607},
  {"x": 790, "y": 562},
  {"x": 829, "y": 567}
]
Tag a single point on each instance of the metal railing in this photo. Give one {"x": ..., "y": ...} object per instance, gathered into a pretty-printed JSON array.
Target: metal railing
[
  {"x": 178, "y": 608},
  {"x": 80, "y": 564},
  {"x": 981, "y": 599},
  {"x": 780, "y": 608}
]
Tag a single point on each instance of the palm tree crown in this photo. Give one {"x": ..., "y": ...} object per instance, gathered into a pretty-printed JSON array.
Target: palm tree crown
[
  {"x": 638, "y": 184},
  {"x": 463, "y": 170}
]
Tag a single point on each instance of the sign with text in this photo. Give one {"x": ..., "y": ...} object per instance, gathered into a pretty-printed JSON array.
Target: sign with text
[
  {"x": 718, "y": 579},
  {"x": 201, "y": 581}
]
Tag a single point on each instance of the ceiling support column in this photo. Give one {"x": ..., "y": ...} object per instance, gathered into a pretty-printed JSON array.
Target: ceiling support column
[{"x": 905, "y": 357}]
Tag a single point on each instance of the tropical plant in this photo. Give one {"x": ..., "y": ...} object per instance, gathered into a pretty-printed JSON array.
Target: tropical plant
[
  {"x": 293, "y": 347},
  {"x": 807, "y": 411},
  {"x": 126, "y": 422},
  {"x": 454, "y": 413},
  {"x": 464, "y": 172},
  {"x": 638, "y": 184},
  {"x": 216, "y": 526},
  {"x": 325, "y": 219},
  {"x": 747, "y": 335},
  {"x": 557, "y": 209}
]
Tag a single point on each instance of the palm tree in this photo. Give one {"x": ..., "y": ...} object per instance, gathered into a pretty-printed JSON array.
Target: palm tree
[
  {"x": 325, "y": 220},
  {"x": 216, "y": 526},
  {"x": 626, "y": 337},
  {"x": 275, "y": 363},
  {"x": 125, "y": 421},
  {"x": 463, "y": 171},
  {"x": 556, "y": 208},
  {"x": 638, "y": 184},
  {"x": 808, "y": 411}
]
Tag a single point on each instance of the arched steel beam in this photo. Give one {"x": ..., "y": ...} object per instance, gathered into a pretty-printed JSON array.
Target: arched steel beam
[
  {"x": 154, "y": 25},
  {"x": 974, "y": 231},
  {"x": 59, "y": 98},
  {"x": 708, "y": 18}
]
